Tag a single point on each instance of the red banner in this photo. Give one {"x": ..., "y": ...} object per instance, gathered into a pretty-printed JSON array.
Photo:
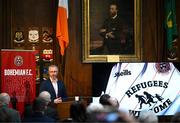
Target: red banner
[{"x": 18, "y": 75}]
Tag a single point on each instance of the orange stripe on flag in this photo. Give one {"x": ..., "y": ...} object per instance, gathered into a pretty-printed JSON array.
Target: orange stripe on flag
[{"x": 62, "y": 26}]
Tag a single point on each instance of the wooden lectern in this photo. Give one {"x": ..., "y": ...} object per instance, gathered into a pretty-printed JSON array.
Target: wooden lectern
[{"x": 63, "y": 109}]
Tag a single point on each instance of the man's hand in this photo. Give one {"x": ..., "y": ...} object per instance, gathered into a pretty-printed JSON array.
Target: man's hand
[
  {"x": 57, "y": 100},
  {"x": 110, "y": 35}
]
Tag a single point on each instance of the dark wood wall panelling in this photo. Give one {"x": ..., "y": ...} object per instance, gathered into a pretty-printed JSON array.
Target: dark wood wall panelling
[
  {"x": 152, "y": 30},
  {"x": 5, "y": 26},
  {"x": 5, "y": 21},
  {"x": 77, "y": 76},
  {"x": 30, "y": 14}
]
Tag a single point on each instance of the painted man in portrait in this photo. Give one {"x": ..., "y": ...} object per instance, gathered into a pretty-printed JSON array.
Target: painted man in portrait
[{"x": 116, "y": 34}]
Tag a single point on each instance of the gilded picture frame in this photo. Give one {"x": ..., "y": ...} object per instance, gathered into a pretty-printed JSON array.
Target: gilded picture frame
[{"x": 94, "y": 14}]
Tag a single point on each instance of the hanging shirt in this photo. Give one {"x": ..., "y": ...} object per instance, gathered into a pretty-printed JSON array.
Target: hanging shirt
[{"x": 145, "y": 86}]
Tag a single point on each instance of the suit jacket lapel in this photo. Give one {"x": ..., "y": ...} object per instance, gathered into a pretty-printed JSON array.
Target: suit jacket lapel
[
  {"x": 52, "y": 88},
  {"x": 59, "y": 88}
]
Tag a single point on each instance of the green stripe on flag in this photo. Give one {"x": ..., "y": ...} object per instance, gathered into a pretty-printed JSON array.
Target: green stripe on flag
[{"x": 170, "y": 22}]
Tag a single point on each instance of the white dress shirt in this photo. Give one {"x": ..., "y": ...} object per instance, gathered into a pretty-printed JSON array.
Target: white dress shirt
[{"x": 55, "y": 86}]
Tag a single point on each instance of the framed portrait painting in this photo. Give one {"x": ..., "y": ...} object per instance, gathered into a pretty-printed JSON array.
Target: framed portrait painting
[{"x": 111, "y": 31}]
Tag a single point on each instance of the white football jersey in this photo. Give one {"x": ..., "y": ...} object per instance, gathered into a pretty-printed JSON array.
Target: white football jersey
[{"x": 146, "y": 86}]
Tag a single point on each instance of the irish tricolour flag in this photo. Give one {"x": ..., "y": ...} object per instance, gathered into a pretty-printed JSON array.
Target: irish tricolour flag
[{"x": 62, "y": 25}]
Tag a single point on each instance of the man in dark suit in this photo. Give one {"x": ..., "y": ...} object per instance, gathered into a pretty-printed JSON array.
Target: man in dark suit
[
  {"x": 115, "y": 33},
  {"x": 54, "y": 86},
  {"x": 14, "y": 115}
]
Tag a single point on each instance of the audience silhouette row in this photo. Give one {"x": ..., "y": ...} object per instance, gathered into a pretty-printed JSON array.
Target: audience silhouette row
[{"x": 42, "y": 110}]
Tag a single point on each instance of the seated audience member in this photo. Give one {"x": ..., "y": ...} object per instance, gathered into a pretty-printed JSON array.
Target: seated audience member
[
  {"x": 176, "y": 118},
  {"x": 27, "y": 110},
  {"x": 78, "y": 111},
  {"x": 4, "y": 116},
  {"x": 148, "y": 117},
  {"x": 49, "y": 111},
  {"x": 45, "y": 95},
  {"x": 107, "y": 100},
  {"x": 38, "y": 107},
  {"x": 106, "y": 114},
  {"x": 13, "y": 115},
  {"x": 93, "y": 110},
  {"x": 104, "y": 100},
  {"x": 126, "y": 117},
  {"x": 114, "y": 102},
  {"x": 94, "y": 107}
]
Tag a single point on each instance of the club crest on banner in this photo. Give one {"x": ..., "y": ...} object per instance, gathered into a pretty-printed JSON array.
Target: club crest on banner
[
  {"x": 162, "y": 67},
  {"x": 18, "y": 76},
  {"x": 18, "y": 60}
]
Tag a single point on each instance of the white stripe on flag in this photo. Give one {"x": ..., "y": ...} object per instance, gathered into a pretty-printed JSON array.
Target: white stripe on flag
[{"x": 64, "y": 4}]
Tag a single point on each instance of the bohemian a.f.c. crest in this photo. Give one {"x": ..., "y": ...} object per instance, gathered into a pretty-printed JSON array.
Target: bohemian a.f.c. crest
[
  {"x": 18, "y": 60},
  {"x": 163, "y": 67}
]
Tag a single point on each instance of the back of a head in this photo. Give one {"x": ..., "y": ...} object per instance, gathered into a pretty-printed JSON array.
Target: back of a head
[
  {"x": 148, "y": 117},
  {"x": 94, "y": 107},
  {"x": 176, "y": 118},
  {"x": 39, "y": 105},
  {"x": 45, "y": 95},
  {"x": 78, "y": 111},
  {"x": 104, "y": 99},
  {"x": 108, "y": 115},
  {"x": 114, "y": 102},
  {"x": 4, "y": 98}
]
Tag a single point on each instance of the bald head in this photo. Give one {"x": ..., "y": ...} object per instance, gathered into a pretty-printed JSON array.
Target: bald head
[
  {"x": 44, "y": 95},
  {"x": 4, "y": 99}
]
